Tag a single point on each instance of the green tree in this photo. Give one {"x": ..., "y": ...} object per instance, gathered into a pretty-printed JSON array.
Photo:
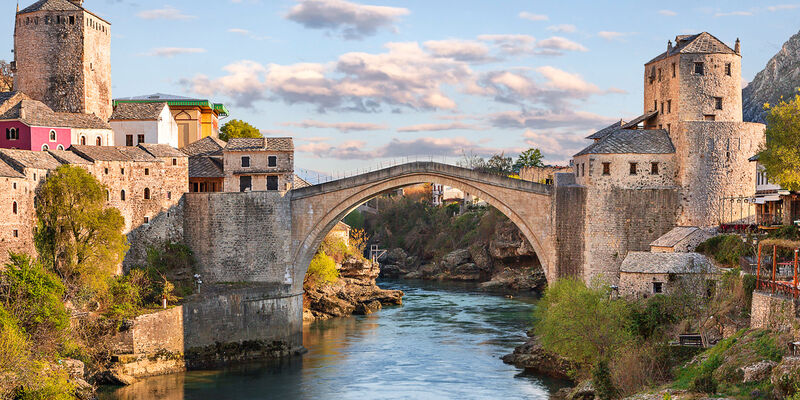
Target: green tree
[
  {"x": 582, "y": 323},
  {"x": 77, "y": 236},
  {"x": 499, "y": 164},
  {"x": 33, "y": 295},
  {"x": 238, "y": 129},
  {"x": 781, "y": 156},
  {"x": 528, "y": 158}
]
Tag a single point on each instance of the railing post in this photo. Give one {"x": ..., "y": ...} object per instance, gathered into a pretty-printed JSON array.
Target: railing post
[
  {"x": 758, "y": 266},
  {"x": 774, "y": 264}
]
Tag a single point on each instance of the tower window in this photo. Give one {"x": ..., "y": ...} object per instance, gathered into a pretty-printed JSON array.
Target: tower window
[
  {"x": 718, "y": 103},
  {"x": 659, "y": 74},
  {"x": 606, "y": 168},
  {"x": 673, "y": 70},
  {"x": 14, "y": 207},
  {"x": 698, "y": 68},
  {"x": 174, "y": 161},
  {"x": 53, "y": 135},
  {"x": 122, "y": 171},
  {"x": 122, "y": 195},
  {"x": 633, "y": 168},
  {"x": 655, "y": 105},
  {"x": 653, "y": 168},
  {"x": 662, "y": 108},
  {"x": 129, "y": 140},
  {"x": 245, "y": 162},
  {"x": 147, "y": 171},
  {"x": 45, "y": 147},
  {"x": 60, "y": 147},
  {"x": 669, "y": 106},
  {"x": 272, "y": 161},
  {"x": 16, "y": 233},
  {"x": 728, "y": 69},
  {"x": 72, "y": 20},
  {"x": 272, "y": 182},
  {"x": 99, "y": 141},
  {"x": 83, "y": 140},
  {"x": 146, "y": 220},
  {"x": 12, "y": 134},
  {"x": 147, "y": 193}
]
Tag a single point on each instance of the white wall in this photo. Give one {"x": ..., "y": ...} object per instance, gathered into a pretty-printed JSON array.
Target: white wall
[
  {"x": 106, "y": 136},
  {"x": 163, "y": 131}
]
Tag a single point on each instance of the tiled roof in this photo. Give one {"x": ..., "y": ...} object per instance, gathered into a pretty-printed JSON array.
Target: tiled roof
[
  {"x": 667, "y": 263},
  {"x": 299, "y": 182},
  {"x": 638, "y": 120},
  {"x": 30, "y": 159},
  {"x": 260, "y": 144},
  {"x": 36, "y": 113},
  {"x": 632, "y": 141},
  {"x": 605, "y": 131},
  {"x": 205, "y": 147},
  {"x": 674, "y": 236},
  {"x": 68, "y": 157},
  {"x": 7, "y": 171},
  {"x": 205, "y": 167},
  {"x": 138, "y": 111},
  {"x": 162, "y": 150},
  {"x": 113, "y": 153},
  {"x": 754, "y": 158},
  {"x": 51, "y": 5},
  {"x": 701, "y": 43}
]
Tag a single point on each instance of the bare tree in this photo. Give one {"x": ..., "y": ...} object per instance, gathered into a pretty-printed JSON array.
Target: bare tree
[{"x": 6, "y": 77}]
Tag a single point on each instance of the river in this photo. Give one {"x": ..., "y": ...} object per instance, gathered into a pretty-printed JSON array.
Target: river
[{"x": 445, "y": 342}]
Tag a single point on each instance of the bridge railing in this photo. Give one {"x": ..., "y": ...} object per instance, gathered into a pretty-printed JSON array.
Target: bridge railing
[{"x": 318, "y": 177}]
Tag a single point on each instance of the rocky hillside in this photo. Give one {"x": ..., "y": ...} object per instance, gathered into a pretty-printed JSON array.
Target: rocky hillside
[{"x": 781, "y": 77}]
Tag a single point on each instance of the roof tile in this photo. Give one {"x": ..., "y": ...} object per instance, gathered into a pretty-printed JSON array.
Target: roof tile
[{"x": 632, "y": 141}]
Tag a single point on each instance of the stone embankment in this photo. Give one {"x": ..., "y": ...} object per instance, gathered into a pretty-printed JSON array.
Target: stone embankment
[
  {"x": 355, "y": 292},
  {"x": 506, "y": 262}
]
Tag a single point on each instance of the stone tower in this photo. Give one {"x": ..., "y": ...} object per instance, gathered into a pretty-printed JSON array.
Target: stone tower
[
  {"x": 695, "y": 91},
  {"x": 62, "y": 57}
]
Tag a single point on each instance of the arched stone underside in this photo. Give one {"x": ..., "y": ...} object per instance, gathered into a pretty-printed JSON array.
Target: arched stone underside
[{"x": 317, "y": 209}]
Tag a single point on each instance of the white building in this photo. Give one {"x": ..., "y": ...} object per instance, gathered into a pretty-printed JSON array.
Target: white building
[{"x": 136, "y": 123}]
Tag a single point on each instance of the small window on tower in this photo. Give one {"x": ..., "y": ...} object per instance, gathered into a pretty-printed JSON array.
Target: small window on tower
[
  {"x": 659, "y": 74},
  {"x": 698, "y": 68},
  {"x": 669, "y": 106},
  {"x": 655, "y": 105},
  {"x": 673, "y": 70},
  {"x": 147, "y": 171},
  {"x": 16, "y": 233},
  {"x": 99, "y": 141},
  {"x": 633, "y": 168},
  {"x": 606, "y": 168},
  {"x": 728, "y": 69},
  {"x": 72, "y": 20},
  {"x": 653, "y": 168},
  {"x": 53, "y": 136},
  {"x": 718, "y": 103}
]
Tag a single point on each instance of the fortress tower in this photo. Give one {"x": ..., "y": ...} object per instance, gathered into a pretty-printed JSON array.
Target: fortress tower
[{"x": 62, "y": 57}]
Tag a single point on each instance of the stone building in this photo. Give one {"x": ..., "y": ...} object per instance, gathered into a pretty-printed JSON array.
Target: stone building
[
  {"x": 206, "y": 169},
  {"x": 676, "y": 163},
  {"x": 774, "y": 205},
  {"x": 645, "y": 274},
  {"x": 62, "y": 57},
  {"x": 681, "y": 239},
  {"x": 259, "y": 164},
  {"x": 543, "y": 174},
  {"x": 137, "y": 123}
]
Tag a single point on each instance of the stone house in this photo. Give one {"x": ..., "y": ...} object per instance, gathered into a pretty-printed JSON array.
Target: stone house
[
  {"x": 774, "y": 205},
  {"x": 137, "y": 123},
  {"x": 16, "y": 200},
  {"x": 341, "y": 232},
  {"x": 206, "y": 169},
  {"x": 261, "y": 164},
  {"x": 681, "y": 239},
  {"x": 645, "y": 274},
  {"x": 543, "y": 174}
]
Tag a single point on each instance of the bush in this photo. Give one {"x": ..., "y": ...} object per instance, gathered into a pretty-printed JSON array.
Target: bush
[
  {"x": 648, "y": 317},
  {"x": 33, "y": 296},
  {"x": 726, "y": 249},
  {"x": 14, "y": 353},
  {"x": 49, "y": 384},
  {"x": 601, "y": 380},
  {"x": 704, "y": 383},
  {"x": 322, "y": 269}
]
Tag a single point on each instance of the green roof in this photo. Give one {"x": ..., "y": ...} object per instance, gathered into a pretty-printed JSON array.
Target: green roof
[{"x": 177, "y": 101}]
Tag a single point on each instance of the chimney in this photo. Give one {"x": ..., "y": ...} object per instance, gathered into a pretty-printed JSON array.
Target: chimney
[
  {"x": 738, "y": 47},
  {"x": 669, "y": 46}
]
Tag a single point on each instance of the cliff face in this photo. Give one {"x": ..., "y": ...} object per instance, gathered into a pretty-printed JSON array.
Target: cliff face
[{"x": 781, "y": 77}]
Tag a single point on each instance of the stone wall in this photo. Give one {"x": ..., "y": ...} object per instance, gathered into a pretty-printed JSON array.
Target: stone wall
[
  {"x": 258, "y": 170},
  {"x": 151, "y": 333},
  {"x": 16, "y": 230},
  {"x": 97, "y": 66},
  {"x": 569, "y": 211},
  {"x": 591, "y": 171},
  {"x": 240, "y": 237},
  {"x": 769, "y": 311}
]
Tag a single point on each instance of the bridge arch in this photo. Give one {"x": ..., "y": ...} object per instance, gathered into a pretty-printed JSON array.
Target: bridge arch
[{"x": 317, "y": 209}]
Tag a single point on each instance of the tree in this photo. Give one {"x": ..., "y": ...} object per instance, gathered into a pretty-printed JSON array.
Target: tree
[
  {"x": 76, "y": 235},
  {"x": 581, "y": 323},
  {"x": 6, "y": 77},
  {"x": 781, "y": 156},
  {"x": 528, "y": 158},
  {"x": 33, "y": 296},
  {"x": 238, "y": 129},
  {"x": 499, "y": 164}
]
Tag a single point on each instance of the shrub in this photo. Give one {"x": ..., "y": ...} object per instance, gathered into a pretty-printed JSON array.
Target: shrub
[
  {"x": 33, "y": 296},
  {"x": 704, "y": 383},
  {"x": 725, "y": 249},
  {"x": 601, "y": 380},
  {"x": 49, "y": 384},
  {"x": 655, "y": 313},
  {"x": 322, "y": 269},
  {"x": 14, "y": 353}
]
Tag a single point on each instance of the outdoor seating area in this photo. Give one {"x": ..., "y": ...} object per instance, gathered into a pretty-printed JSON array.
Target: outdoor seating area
[{"x": 783, "y": 278}]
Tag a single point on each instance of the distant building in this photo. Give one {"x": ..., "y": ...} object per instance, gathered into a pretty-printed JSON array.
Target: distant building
[
  {"x": 262, "y": 164},
  {"x": 340, "y": 231},
  {"x": 196, "y": 118},
  {"x": 644, "y": 274},
  {"x": 137, "y": 123},
  {"x": 681, "y": 239},
  {"x": 542, "y": 174},
  {"x": 774, "y": 204},
  {"x": 437, "y": 192},
  {"x": 206, "y": 165}
]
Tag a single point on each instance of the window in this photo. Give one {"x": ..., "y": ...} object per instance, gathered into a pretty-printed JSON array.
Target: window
[
  {"x": 140, "y": 139},
  {"x": 658, "y": 287},
  {"x": 662, "y": 108},
  {"x": 169, "y": 195},
  {"x": 669, "y": 106},
  {"x": 53, "y": 136},
  {"x": 34, "y": 176},
  {"x": 606, "y": 168},
  {"x": 15, "y": 233},
  {"x": 129, "y": 140},
  {"x": 45, "y": 147},
  {"x": 709, "y": 117},
  {"x": 245, "y": 162},
  {"x": 146, "y": 220},
  {"x": 193, "y": 187},
  {"x": 245, "y": 183},
  {"x": 659, "y": 74},
  {"x": 272, "y": 161},
  {"x": 147, "y": 193},
  {"x": 12, "y": 134},
  {"x": 147, "y": 171},
  {"x": 633, "y": 168},
  {"x": 14, "y": 207},
  {"x": 122, "y": 195},
  {"x": 174, "y": 161},
  {"x": 718, "y": 103},
  {"x": 14, "y": 185},
  {"x": 72, "y": 20},
  {"x": 653, "y": 168},
  {"x": 728, "y": 69},
  {"x": 655, "y": 105},
  {"x": 99, "y": 141},
  {"x": 673, "y": 70},
  {"x": 60, "y": 147},
  {"x": 272, "y": 182},
  {"x": 83, "y": 140},
  {"x": 122, "y": 171},
  {"x": 698, "y": 68},
  {"x": 669, "y": 128}
]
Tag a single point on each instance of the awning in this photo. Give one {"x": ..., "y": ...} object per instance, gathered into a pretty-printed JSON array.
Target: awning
[{"x": 762, "y": 200}]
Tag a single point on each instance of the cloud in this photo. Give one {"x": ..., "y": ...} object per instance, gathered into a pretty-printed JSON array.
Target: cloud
[
  {"x": 170, "y": 52},
  {"x": 244, "y": 83},
  {"x": 557, "y": 43},
  {"x": 247, "y": 33},
  {"x": 461, "y": 50},
  {"x": 351, "y": 20},
  {"x": 168, "y": 12},
  {"x": 564, "y": 28},
  {"x": 440, "y": 127},
  {"x": 533, "y": 17},
  {"x": 610, "y": 35},
  {"x": 355, "y": 149},
  {"x": 734, "y": 14},
  {"x": 548, "y": 119},
  {"x": 667, "y": 13},
  {"x": 567, "y": 82},
  {"x": 557, "y": 145},
  {"x": 781, "y": 7},
  {"x": 343, "y": 127},
  {"x": 511, "y": 44}
]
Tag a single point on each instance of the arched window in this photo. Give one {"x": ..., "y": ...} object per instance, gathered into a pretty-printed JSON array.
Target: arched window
[
  {"x": 53, "y": 135},
  {"x": 14, "y": 207},
  {"x": 99, "y": 141},
  {"x": 147, "y": 193},
  {"x": 83, "y": 140},
  {"x": 45, "y": 147},
  {"x": 12, "y": 134},
  {"x": 122, "y": 195},
  {"x": 60, "y": 147}
]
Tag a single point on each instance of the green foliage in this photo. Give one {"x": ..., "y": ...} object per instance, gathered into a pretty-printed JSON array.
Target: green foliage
[
  {"x": 725, "y": 249},
  {"x": 238, "y": 129},
  {"x": 601, "y": 380},
  {"x": 125, "y": 298},
  {"x": 33, "y": 295},
  {"x": 528, "y": 158},
  {"x": 170, "y": 256},
  {"x": 497, "y": 164},
  {"x": 14, "y": 353},
  {"x": 781, "y": 156},
  {"x": 704, "y": 383},
  {"x": 50, "y": 384},
  {"x": 788, "y": 232},
  {"x": 77, "y": 236},
  {"x": 582, "y": 323},
  {"x": 322, "y": 269},
  {"x": 355, "y": 220},
  {"x": 655, "y": 313}
]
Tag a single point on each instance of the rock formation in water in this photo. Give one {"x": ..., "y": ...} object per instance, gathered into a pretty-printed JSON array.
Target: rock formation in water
[{"x": 781, "y": 77}]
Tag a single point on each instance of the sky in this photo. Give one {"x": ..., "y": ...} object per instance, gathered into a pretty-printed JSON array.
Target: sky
[{"x": 366, "y": 82}]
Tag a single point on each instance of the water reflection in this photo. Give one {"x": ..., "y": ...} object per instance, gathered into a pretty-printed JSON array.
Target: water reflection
[{"x": 445, "y": 342}]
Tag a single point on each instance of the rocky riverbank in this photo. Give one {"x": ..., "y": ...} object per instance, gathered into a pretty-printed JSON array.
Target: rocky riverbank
[
  {"x": 505, "y": 262},
  {"x": 532, "y": 357},
  {"x": 355, "y": 292}
]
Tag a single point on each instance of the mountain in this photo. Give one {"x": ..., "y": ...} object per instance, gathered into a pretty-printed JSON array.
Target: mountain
[{"x": 781, "y": 77}]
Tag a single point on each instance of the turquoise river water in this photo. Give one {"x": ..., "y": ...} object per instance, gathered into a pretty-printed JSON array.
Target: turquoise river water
[{"x": 445, "y": 342}]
